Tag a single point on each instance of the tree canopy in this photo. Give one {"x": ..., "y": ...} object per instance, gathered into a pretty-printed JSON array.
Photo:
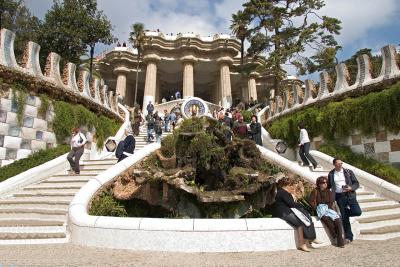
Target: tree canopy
[
  {"x": 17, "y": 18},
  {"x": 287, "y": 30}
]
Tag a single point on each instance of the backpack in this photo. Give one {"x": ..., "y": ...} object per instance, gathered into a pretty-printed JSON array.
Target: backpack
[{"x": 120, "y": 149}]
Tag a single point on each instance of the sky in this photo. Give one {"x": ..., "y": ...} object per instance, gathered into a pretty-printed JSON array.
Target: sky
[{"x": 365, "y": 23}]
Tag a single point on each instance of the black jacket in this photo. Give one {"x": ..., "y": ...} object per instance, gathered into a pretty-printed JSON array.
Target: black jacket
[
  {"x": 350, "y": 178},
  {"x": 283, "y": 203}
]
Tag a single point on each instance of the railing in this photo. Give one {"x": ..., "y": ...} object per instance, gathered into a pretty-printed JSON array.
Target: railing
[
  {"x": 94, "y": 95},
  {"x": 389, "y": 71}
]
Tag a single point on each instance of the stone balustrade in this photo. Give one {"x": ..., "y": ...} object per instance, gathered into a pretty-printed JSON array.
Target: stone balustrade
[
  {"x": 389, "y": 73},
  {"x": 94, "y": 96}
]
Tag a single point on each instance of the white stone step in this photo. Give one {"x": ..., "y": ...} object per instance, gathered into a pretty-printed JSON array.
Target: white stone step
[
  {"x": 97, "y": 166},
  {"x": 34, "y": 208},
  {"x": 384, "y": 230},
  {"x": 365, "y": 196},
  {"x": 369, "y": 214},
  {"x": 46, "y": 193},
  {"x": 378, "y": 204},
  {"x": 370, "y": 199},
  {"x": 379, "y": 236},
  {"x": 67, "y": 179},
  {"x": 35, "y": 241},
  {"x": 93, "y": 172},
  {"x": 22, "y": 221},
  {"x": 364, "y": 193},
  {"x": 378, "y": 224},
  {"x": 32, "y": 232},
  {"x": 100, "y": 162},
  {"x": 37, "y": 200},
  {"x": 56, "y": 186},
  {"x": 33, "y": 215}
]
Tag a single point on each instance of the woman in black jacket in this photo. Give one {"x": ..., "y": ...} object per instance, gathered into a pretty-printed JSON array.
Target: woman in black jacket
[
  {"x": 128, "y": 145},
  {"x": 282, "y": 208},
  {"x": 255, "y": 130}
]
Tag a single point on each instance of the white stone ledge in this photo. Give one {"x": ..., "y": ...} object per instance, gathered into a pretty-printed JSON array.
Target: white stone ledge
[{"x": 180, "y": 235}]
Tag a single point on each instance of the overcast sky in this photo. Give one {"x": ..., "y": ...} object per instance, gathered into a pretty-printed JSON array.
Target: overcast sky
[{"x": 366, "y": 23}]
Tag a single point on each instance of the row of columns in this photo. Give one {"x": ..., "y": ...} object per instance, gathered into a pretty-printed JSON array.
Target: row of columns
[{"x": 223, "y": 91}]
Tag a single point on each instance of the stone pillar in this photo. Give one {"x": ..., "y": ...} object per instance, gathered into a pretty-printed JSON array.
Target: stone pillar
[
  {"x": 121, "y": 73},
  {"x": 225, "y": 81},
  {"x": 158, "y": 99},
  {"x": 251, "y": 85},
  {"x": 188, "y": 76},
  {"x": 151, "y": 80}
]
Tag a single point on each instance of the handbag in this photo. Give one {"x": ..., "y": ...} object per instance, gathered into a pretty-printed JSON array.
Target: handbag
[{"x": 302, "y": 217}]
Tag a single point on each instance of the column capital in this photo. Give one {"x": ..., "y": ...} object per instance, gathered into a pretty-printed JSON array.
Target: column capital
[
  {"x": 151, "y": 58},
  {"x": 225, "y": 60},
  {"x": 254, "y": 75},
  {"x": 188, "y": 59},
  {"x": 121, "y": 70}
]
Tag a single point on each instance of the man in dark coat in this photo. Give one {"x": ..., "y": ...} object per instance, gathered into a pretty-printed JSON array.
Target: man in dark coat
[
  {"x": 255, "y": 130},
  {"x": 128, "y": 145},
  {"x": 343, "y": 183}
]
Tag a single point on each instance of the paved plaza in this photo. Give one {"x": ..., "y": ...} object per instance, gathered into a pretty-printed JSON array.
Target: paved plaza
[{"x": 359, "y": 253}]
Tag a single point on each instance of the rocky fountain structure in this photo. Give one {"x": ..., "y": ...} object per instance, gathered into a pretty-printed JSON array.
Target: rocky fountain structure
[{"x": 197, "y": 173}]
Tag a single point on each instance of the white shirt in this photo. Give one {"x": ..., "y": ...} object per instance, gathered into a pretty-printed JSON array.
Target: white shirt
[
  {"x": 304, "y": 137},
  {"x": 340, "y": 180},
  {"x": 75, "y": 141}
]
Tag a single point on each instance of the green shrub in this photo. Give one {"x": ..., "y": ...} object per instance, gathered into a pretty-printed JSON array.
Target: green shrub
[
  {"x": 68, "y": 116},
  {"x": 337, "y": 119},
  {"x": 106, "y": 205},
  {"x": 35, "y": 159},
  {"x": 168, "y": 146},
  {"x": 387, "y": 173},
  {"x": 44, "y": 105},
  {"x": 19, "y": 98},
  {"x": 246, "y": 115}
]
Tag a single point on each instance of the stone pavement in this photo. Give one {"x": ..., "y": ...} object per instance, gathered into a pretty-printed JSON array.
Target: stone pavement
[{"x": 359, "y": 253}]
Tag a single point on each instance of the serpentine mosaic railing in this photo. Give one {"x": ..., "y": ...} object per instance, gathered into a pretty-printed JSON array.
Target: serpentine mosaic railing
[
  {"x": 94, "y": 95},
  {"x": 292, "y": 101}
]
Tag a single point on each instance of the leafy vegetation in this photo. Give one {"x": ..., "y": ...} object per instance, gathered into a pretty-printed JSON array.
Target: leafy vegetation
[
  {"x": 338, "y": 119},
  {"x": 370, "y": 165},
  {"x": 68, "y": 116},
  {"x": 44, "y": 105},
  {"x": 246, "y": 115},
  {"x": 19, "y": 99},
  {"x": 105, "y": 205},
  {"x": 33, "y": 160}
]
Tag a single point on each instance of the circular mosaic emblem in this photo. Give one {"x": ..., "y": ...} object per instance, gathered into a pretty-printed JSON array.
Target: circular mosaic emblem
[{"x": 194, "y": 106}]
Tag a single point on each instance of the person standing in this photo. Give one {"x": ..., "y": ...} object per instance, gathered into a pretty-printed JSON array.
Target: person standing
[
  {"x": 150, "y": 126},
  {"x": 78, "y": 142},
  {"x": 150, "y": 108},
  {"x": 166, "y": 120},
  {"x": 321, "y": 200},
  {"x": 240, "y": 128},
  {"x": 158, "y": 129},
  {"x": 344, "y": 184},
  {"x": 128, "y": 145},
  {"x": 304, "y": 147},
  {"x": 172, "y": 118},
  {"x": 255, "y": 130}
]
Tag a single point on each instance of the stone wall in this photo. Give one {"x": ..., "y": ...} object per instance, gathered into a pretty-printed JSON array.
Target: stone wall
[
  {"x": 36, "y": 132},
  {"x": 383, "y": 146}
]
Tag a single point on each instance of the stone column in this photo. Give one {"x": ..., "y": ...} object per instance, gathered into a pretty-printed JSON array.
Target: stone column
[
  {"x": 225, "y": 81},
  {"x": 151, "y": 80},
  {"x": 251, "y": 85},
  {"x": 188, "y": 77},
  {"x": 121, "y": 73},
  {"x": 158, "y": 99}
]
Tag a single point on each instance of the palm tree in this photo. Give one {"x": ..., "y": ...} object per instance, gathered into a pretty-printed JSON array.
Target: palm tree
[
  {"x": 137, "y": 37},
  {"x": 239, "y": 27}
]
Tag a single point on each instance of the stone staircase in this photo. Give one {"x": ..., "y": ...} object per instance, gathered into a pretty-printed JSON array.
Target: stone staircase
[{"x": 38, "y": 213}]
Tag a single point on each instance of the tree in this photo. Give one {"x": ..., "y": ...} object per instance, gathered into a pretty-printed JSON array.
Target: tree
[
  {"x": 137, "y": 37},
  {"x": 239, "y": 27},
  {"x": 17, "y": 18},
  {"x": 286, "y": 29},
  {"x": 98, "y": 30},
  {"x": 71, "y": 26}
]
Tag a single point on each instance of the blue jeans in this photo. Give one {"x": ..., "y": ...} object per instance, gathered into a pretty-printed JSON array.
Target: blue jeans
[
  {"x": 166, "y": 126},
  {"x": 348, "y": 207},
  {"x": 149, "y": 134},
  {"x": 158, "y": 138}
]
